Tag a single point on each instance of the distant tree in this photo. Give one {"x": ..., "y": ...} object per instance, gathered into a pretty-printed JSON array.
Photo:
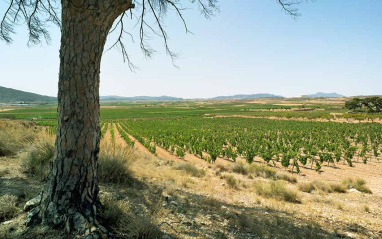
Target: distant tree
[
  {"x": 354, "y": 104},
  {"x": 70, "y": 197},
  {"x": 372, "y": 104}
]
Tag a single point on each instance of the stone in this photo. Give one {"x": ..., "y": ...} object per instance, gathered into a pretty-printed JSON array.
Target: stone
[
  {"x": 7, "y": 222},
  {"x": 353, "y": 190},
  {"x": 33, "y": 203},
  {"x": 166, "y": 237},
  {"x": 173, "y": 203}
]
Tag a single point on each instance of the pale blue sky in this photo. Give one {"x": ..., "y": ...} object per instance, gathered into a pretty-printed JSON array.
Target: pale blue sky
[{"x": 251, "y": 46}]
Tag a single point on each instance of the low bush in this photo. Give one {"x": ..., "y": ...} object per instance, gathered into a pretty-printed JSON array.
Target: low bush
[
  {"x": 309, "y": 187},
  {"x": 285, "y": 177},
  {"x": 358, "y": 184},
  {"x": 14, "y": 137},
  {"x": 277, "y": 190},
  {"x": 8, "y": 208},
  {"x": 113, "y": 163},
  {"x": 120, "y": 216},
  {"x": 36, "y": 159},
  {"x": 231, "y": 181},
  {"x": 190, "y": 169},
  {"x": 240, "y": 168}
]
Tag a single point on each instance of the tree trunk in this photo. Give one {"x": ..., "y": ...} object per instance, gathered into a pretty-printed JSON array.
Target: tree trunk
[{"x": 70, "y": 198}]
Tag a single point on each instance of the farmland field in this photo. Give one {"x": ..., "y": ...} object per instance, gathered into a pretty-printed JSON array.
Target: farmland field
[
  {"x": 295, "y": 133},
  {"x": 291, "y": 168}
]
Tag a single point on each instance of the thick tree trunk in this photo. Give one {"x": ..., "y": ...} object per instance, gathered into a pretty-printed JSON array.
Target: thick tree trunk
[{"x": 70, "y": 198}]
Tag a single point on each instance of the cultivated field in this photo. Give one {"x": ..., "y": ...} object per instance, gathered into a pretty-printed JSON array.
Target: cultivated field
[{"x": 212, "y": 169}]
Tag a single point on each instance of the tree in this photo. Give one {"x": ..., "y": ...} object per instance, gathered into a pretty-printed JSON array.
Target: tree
[
  {"x": 353, "y": 104},
  {"x": 70, "y": 197}
]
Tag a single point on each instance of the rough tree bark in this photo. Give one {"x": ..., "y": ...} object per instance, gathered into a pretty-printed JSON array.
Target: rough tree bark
[{"x": 70, "y": 198}]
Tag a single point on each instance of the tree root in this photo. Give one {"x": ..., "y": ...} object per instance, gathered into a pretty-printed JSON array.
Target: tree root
[{"x": 73, "y": 222}]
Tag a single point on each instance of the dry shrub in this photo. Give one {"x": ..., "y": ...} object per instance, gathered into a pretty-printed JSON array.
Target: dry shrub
[
  {"x": 4, "y": 172},
  {"x": 309, "y": 187},
  {"x": 358, "y": 184},
  {"x": 14, "y": 137},
  {"x": 190, "y": 169},
  {"x": 285, "y": 177},
  {"x": 36, "y": 159},
  {"x": 261, "y": 170},
  {"x": 8, "y": 208},
  {"x": 231, "y": 181},
  {"x": 221, "y": 168},
  {"x": 277, "y": 190},
  {"x": 120, "y": 216},
  {"x": 240, "y": 168},
  {"x": 113, "y": 163}
]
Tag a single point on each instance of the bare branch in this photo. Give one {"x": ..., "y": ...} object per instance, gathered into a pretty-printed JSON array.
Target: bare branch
[
  {"x": 289, "y": 7},
  {"x": 35, "y": 13}
]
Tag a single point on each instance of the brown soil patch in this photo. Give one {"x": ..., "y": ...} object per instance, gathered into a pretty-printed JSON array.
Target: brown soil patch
[{"x": 3, "y": 110}]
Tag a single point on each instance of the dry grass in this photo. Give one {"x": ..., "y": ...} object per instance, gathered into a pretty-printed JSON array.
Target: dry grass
[
  {"x": 240, "y": 168},
  {"x": 14, "y": 137},
  {"x": 8, "y": 207},
  {"x": 231, "y": 181},
  {"x": 4, "y": 172},
  {"x": 190, "y": 169},
  {"x": 35, "y": 160},
  {"x": 277, "y": 190},
  {"x": 120, "y": 216},
  {"x": 358, "y": 184},
  {"x": 261, "y": 170},
  {"x": 113, "y": 163},
  {"x": 309, "y": 187}
]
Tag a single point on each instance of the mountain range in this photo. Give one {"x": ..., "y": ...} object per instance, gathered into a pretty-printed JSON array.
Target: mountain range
[
  {"x": 8, "y": 95},
  {"x": 321, "y": 94}
]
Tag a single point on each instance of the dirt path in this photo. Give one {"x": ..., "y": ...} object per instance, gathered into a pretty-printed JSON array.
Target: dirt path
[
  {"x": 107, "y": 136},
  {"x": 3, "y": 110}
]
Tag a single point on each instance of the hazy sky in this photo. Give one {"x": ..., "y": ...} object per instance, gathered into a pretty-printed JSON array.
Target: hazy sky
[{"x": 251, "y": 46}]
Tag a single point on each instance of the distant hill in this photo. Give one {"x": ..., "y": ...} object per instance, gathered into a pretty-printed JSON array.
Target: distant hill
[
  {"x": 244, "y": 97},
  {"x": 321, "y": 94},
  {"x": 8, "y": 95},
  {"x": 148, "y": 98}
]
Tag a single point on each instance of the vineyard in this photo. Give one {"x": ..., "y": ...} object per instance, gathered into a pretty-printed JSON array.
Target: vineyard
[
  {"x": 293, "y": 144},
  {"x": 233, "y": 130}
]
